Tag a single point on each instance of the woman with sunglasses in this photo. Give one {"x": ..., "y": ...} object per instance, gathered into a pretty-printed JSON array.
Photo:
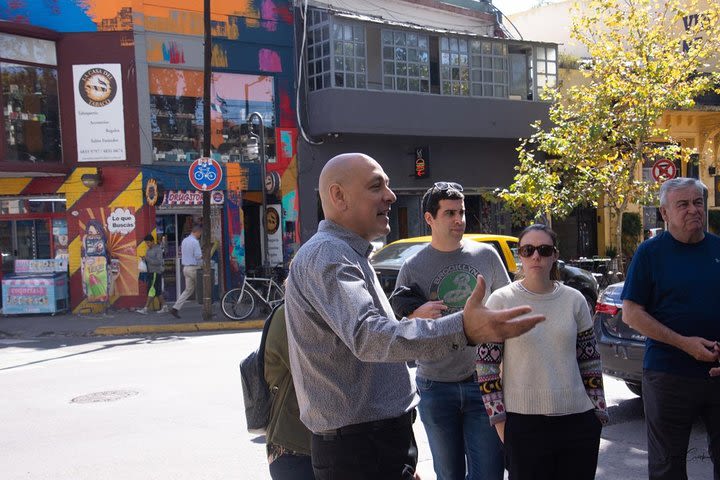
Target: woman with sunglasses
[{"x": 549, "y": 406}]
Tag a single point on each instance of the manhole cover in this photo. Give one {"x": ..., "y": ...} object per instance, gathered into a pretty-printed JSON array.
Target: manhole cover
[{"x": 99, "y": 397}]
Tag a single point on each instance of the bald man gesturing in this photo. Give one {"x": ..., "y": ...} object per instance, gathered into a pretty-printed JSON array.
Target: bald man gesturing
[{"x": 347, "y": 350}]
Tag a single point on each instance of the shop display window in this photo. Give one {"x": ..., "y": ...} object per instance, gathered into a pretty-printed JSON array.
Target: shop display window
[
  {"x": 176, "y": 114},
  {"x": 31, "y": 118}
]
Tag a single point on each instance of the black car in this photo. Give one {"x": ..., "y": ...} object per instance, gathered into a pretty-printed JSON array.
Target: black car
[{"x": 621, "y": 347}]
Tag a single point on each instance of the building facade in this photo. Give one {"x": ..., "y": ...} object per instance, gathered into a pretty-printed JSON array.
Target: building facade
[
  {"x": 434, "y": 91},
  {"x": 102, "y": 118}
]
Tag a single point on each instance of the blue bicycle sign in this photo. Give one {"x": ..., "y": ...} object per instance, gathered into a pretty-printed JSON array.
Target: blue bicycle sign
[{"x": 205, "y": 174}]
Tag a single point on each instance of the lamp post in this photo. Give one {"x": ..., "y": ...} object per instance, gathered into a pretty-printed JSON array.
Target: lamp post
[{"x": 261, "y": 155}]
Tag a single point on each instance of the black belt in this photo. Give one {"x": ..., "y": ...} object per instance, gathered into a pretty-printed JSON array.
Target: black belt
[
  {"x": 471, "y": 378},
  {"x": 367, "y": 427}
]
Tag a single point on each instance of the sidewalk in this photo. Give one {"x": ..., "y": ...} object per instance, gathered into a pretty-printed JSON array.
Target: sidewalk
[{"x": 122, "y": 322}]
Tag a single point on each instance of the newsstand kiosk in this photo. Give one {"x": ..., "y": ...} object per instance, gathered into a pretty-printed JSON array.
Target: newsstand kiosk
[{"x": 37, "y": 286}]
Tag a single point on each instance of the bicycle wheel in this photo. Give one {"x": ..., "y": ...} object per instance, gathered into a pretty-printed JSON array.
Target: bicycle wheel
[
  {"x": 276, "y": 296},
  {"x": 237, "y": 307}
]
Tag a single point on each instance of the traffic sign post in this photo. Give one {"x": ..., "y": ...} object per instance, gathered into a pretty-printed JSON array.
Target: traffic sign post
[
  {"x": 205, "y": 174},
  {"x": 663, "y": 169}
]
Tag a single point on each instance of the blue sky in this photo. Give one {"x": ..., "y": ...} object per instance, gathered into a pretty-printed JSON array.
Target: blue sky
[{"x": 514, "y": 6}]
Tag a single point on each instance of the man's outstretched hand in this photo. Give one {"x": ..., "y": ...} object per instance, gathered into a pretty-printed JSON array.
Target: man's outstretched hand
[{"x": 484, "y": 325}]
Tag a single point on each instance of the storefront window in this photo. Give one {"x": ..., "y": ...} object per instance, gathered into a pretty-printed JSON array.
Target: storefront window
[
  {"x": 30, "y": 113},
  {"x": 176, "y": 103}
]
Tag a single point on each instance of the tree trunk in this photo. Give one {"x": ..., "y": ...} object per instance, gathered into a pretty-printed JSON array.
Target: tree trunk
[{"x": 618, "y": 240}]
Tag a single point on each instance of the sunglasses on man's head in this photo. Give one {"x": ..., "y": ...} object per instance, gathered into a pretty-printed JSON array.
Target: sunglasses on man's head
[
  {"x": 448, "y": 186},
  {"x": 528, "y": 250}
]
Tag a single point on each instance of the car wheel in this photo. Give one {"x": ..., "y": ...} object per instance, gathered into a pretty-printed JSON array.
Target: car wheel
[{"x": 635, "y": 388}]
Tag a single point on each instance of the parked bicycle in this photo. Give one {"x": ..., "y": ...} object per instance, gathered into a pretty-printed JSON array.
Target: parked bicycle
[{"x": 239, "y": 303}]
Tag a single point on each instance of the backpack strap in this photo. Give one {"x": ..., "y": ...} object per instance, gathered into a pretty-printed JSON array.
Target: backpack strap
[{"x": 263, "y": 338}]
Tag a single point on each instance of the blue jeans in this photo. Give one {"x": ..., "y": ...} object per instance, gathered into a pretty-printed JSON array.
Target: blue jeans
[{"x": 458, "y": 427}]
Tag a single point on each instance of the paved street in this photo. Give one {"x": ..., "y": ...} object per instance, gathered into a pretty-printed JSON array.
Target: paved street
[{"x": 170, "y": 407}]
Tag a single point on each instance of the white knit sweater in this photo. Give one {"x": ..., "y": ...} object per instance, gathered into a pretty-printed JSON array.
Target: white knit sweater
[{"x": 540, "y": 369}]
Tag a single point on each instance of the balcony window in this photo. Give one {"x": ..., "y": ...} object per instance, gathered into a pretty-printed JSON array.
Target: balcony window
[
  {"x": 489, "y": 69},
  {"x": 454, "y": 66},
  {"x": 29, "y": 98},
  {"x": 406, "y": 61},
  {"x": 336, "y": 55},
  {"x": 546, "y": 65}
]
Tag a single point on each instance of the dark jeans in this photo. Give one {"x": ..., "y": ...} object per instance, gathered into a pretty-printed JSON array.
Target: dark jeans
[
  {"x": 459, "y": 431},
  {"x": 292, "y": 467},
  {"x": 672, "y": 403},
  {"x": 384, "y": 450},
  {"x": 541, "y": 447}
]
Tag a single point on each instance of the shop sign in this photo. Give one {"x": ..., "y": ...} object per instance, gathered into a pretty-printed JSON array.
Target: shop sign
[
  {"x": 422, "y": 162},
  {"x": 273, "y": 230},
  {"x": 192, "y": 197},
  {"x": 41, "y": 266},
  {"x": 153, "y": 192},
  {"x": 99, "y": 113}
]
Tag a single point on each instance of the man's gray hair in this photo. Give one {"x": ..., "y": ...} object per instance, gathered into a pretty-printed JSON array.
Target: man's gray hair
[{"x": 678, "y": 184}]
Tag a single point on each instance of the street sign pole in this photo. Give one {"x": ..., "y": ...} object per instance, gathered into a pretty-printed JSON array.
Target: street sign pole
[{"x": 207, "y": 137}]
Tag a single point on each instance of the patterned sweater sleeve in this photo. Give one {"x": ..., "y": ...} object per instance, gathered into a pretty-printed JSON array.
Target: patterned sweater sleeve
[
  {"x": 588, "y": 358},
  {"x": 487, "y": 366}
]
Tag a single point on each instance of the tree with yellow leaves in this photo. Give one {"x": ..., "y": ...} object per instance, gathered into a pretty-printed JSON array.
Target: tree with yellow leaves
[{"x": 647, "y": 57}]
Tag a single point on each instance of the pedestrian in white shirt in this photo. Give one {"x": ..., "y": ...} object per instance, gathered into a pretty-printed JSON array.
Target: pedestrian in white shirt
[{"x": 191, "y": 261}]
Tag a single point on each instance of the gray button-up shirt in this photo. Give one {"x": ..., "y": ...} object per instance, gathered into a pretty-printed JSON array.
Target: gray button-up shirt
[{"x": 347, "y": 350}]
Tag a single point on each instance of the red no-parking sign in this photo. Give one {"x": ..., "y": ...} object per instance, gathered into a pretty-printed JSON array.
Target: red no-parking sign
[
  {"x": 663, "y": 170},
  {"x": 205, "y": 174}
]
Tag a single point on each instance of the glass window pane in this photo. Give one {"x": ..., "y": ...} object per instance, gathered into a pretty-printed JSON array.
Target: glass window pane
[
  {"x": 424, "y": 71},
  {"x": 388, "y": 53},
  {"x": 311, "y": 68},
  {"x": 360, "y": 81},
  {"x": 463, "y": 46},
  {"x": 551, "y": 68},
  {"x": 359, "y": 33},
  {"x": 339, "y": 64},
  {"x": 487, "y": 76},
  {"x": 540, "y": 53},
  {"x": 347, "y": 32},
  {"x": 497, "y": 48},
  {"x": 454, "y": 44},
  {"x": 463, "y": 59},
  {"x": 497, "y": 63},
  {"x": 412, "y": 55},
  {"x": 455, "y": 73},
  {"x": 325, "y": 33},
  {"x": 399, "y": 38},
  {"x": 389, "y": 68},
  {"x": 389, "y": 83},
  {"x": 338, "y": 48},
  {"x": 326, "y": 65},
  {"x": 360, "y": 50},
  {"x": 499, "y": 91},
  {"x": 35, "y": 50},
  {"x": 337, "y": 31},
  {"x": 401, "y": 54},
  {"x": 349, "y": 49},
  {"x": 475, "y": 46},
  {"x": 487, "y": 90},
  {"x": 444, "y": 43},
  {"x": 414, "y": 85},
  {"x": 339, "y": 80},
  {"x": 412, "y": 39},
  {"x": 414, "y": 70},
  {"x": 445, "y": 59},
  {"x": 486, "y": 48},
  {"x": 350, "y": 80},
  {"x": 476, "y": 76},
  {"x": 552, "y": 81},
  {"x": 326, "y": 80},
  {"x": 454, "y": 59},
  {"x": 401, "y": 69},
  {"x": 551, "y": 54},
  {"x": 360, "y": 65},
  {"x": 424, "y": 86},
  {"x": 446, "y": 88},
  {"x": 326, "y": 49},
  {"x": 445, "y": 72},
  {"x": 349, "y": 64},
  {"x": 541, "y": 80},
  {"x": 423, "y": 56},
  {"x": 402, "y": 83},
  {"x": 477, "y": 90},
  {"x": 423, "y": 41},
  {"x": 387, "y": 37},
  {"x": 311, "y": 52},
  {"x": 31, "y": 113},
  {"x": 541, "y": 67}
]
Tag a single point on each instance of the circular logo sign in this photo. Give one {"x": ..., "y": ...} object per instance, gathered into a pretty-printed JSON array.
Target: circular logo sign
[
  {"x": 663, "y": 170},
  {"x": 153, "y": 193},
  {"x": 97, "y": 87},
  {"x": 205, "y": 174},
  {"x": 272, "y": 220},
  {"x": 272, "y": 182}
]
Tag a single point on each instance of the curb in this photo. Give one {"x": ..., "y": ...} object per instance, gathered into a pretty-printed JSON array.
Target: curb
[{"x": 179, "y": 328}]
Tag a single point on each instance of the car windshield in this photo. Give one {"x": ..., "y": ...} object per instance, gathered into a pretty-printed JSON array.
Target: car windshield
[{"x": 397, "y": 254}]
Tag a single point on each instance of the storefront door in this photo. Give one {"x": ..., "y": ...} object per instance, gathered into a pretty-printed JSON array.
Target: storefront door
[{"x": 171, "y": 230}]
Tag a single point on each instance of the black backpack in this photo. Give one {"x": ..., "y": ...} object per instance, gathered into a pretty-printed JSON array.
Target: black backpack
[{"x": 256, "y": 392}]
